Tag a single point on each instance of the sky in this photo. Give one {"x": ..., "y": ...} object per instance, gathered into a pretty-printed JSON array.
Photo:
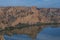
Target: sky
[{"x": 38, "y": 3}]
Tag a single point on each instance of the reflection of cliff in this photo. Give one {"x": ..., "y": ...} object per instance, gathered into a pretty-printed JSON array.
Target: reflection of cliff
[
  {"x": 11, "y": 16},
  {"x": 1, "y": 37},
  {"x": 31, "y": 31}
]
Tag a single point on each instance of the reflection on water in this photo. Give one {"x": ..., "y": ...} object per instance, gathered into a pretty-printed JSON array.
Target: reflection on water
[
  {"x": 46, "y": 34},
  {"x": 49, "y": 34},
  {"x": 17, "y": 37}
]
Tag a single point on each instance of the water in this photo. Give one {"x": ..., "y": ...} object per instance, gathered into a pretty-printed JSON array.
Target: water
[
  {"x": 17, "y": 37},
  {"x": 46, "y": 34},
  {"x": 49, "y": 34}
]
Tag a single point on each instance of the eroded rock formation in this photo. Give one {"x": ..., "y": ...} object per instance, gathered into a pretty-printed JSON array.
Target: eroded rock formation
[{"x": 11, "y": 16}]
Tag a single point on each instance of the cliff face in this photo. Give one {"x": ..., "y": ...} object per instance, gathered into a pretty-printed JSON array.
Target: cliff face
[{"x": 11, "y": 16}]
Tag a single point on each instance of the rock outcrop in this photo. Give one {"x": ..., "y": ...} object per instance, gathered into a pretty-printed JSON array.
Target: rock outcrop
[{"x": 11, "y": 16}]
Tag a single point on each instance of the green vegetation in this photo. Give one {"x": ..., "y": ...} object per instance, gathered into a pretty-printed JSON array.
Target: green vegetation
[
  {"x": 40, "y": 24},
  {"x": 20, "y": 26},
  {"x": 9, "y": 28}
]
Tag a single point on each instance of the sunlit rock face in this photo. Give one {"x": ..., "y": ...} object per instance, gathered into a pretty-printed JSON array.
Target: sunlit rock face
[{"x": 11, "y": 16}]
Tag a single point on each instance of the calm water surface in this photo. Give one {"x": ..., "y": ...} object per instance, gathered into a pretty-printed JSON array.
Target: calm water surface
[{"x": 46, "y": 34}]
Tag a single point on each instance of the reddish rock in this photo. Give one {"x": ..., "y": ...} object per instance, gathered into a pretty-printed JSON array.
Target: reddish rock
[{"x": 11, "y": 16}]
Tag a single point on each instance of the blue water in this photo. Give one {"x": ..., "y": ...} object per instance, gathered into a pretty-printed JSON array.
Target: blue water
[
  {"x": 17, "y": 37},
  {"x": 45, "y": 34},
  {"x": 49, "y": 34}
]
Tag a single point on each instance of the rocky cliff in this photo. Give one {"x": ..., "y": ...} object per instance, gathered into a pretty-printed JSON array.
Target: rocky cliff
[{"x": 11, "y": 16}]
